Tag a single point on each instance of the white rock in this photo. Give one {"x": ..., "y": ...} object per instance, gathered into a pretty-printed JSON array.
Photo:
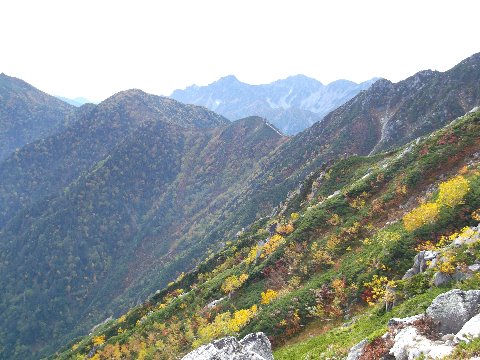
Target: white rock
[
  {"x": 404, "y": 321},
  {"x": 409, "y": 345},
  {"x": 252, "y": 347},
  {"x": 470, "y": 330},
  {"x": 474, "y": 267},
  {"x": 440, "y": 351},
  {"x": 214, "y": 303}
]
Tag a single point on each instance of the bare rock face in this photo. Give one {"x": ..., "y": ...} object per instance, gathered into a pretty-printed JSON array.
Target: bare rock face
[
  {"x": 254, "y": 346},
  {"x": 454, "y": 308}
]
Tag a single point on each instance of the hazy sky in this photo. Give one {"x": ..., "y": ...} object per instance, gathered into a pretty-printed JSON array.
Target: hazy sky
[{"x": 96, "y": 48}]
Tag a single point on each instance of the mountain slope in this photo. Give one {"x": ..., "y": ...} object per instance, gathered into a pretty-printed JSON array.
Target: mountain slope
[
  {"x": 28, "y": 114},
  {"x": 124, "y": 216},
  {"x": 384, "y": 116},
  {"x": 291, "y": 104},
  {"x": 48, "y": 165},
  {"x": 349, "y": 241}
]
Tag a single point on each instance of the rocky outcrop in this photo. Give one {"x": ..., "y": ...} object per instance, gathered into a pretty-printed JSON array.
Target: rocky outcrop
[
  {"x": 254, "y": 346},
  {"x": 410, "y": 344},
  {"x": 420, "y": 263},
  {"x": 451, "y": 318},
  {"x": 430, "y": 259},
  {"x": 453, "y": 309}
]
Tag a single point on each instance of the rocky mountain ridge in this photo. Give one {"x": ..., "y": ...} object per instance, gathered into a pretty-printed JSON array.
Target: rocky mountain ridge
[{"x": 291, "y": 104}]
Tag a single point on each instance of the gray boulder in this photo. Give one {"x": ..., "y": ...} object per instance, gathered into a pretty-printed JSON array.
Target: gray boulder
[
  {"x": 259, "y": 344},
  {"x": 440, "y": 278},
  {"x": 252, "y": 347},
  {"x": 474, "y": 268},
  {"x": 453, "y": 309},
  {"x": 357, "y": 351},
  {"x": 420, "y": 263}
]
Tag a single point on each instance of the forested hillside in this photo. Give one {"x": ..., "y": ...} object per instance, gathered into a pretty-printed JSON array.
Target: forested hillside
[
  {"x": 340, "y": 250},
  {"x": 103, "y": 234}
]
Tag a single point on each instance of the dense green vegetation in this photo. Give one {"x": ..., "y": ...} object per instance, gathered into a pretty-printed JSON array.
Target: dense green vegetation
[{"x": 322, "y": 262}]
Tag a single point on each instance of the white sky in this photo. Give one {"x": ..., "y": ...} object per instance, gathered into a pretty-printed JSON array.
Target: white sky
[{"x": 96, "y": 48}]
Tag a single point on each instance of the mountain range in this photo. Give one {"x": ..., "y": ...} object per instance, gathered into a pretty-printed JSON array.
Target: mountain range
[
  {"x": 114, "y": 201},
  {"x": 340, "y": 272},
  {"x": 292, "y": 104}
]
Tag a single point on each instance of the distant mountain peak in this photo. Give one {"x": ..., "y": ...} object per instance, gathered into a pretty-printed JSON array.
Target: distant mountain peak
[
  {"x": 228, "y": 79},
  {"x": 291, "y": 104}
]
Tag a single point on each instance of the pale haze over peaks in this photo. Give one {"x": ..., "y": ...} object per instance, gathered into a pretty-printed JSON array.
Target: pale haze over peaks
[{"x": 96, "y": 48}]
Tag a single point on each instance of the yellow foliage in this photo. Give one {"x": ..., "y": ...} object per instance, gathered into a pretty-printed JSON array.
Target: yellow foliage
[
  {"x": 424, "y": 214},
  {"x": 98, "y": 340},
  {"x": 180, "y": 277},
  {"x": 367, "y": 241},
  {"x": 294, "y": 282},
  {"x": 320, "y": 257},
  {"x": 122, "y": 319},
  {"x": 379, "y": 286},
  {"x": 233, "y": 283},
  {"x": 453, "y": 191},
  {"x": 285, "y": 229},
  {"x": 241, "y": 318},
  {"x": 401, "y": 189},
  {"x": 294, "y": 216},
  {"x": 272, "y": 244},
  {"x": 354, "y": 229},
  {"x": 476, "y": 215},
  {"x": 427, "y": 245},
  {"x": 268, "y": 296},
  {"x": 224, "y": 324},
  {"x": 386, "y": 237},
  {"x": 447, "y": 264},
  {"x": 252, "y": 255}
]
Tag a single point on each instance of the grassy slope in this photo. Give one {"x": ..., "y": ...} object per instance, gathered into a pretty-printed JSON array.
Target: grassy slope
[{"x": 367, "y": 207}]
